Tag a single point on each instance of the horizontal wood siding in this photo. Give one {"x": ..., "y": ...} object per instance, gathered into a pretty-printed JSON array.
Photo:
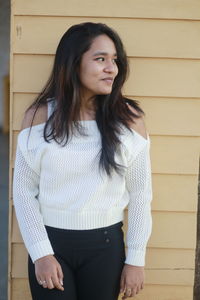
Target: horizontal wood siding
[
  {"x": 163, "y": 46},
  {"x": 150, "y": 76},
  {"x": 161, "y": 34},
  {"x": 170, "y": 113},
  {"x": 171, "y": 9}
]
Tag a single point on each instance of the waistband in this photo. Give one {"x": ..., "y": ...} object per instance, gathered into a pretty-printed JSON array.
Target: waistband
[{"x": 75, "y": 232}]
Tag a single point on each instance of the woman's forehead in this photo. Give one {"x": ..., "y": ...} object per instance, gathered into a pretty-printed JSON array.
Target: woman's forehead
[{"x": 102, "y": 45}]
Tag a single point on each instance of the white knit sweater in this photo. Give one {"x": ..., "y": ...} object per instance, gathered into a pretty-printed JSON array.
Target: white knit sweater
[{"x": 62, "y": 187}]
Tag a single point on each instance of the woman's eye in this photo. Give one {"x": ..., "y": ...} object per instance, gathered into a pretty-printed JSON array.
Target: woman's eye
[
  {"x": 114, "y": 60},
  {"x": 100, "y": 58}
]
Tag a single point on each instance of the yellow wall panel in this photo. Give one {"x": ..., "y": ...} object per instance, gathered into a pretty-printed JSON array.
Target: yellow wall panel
[
  {"x": 15, "y": 233},
  {"x": 20, "y": 104},
  {"x": 164, "y": 77},
  {"x": 26, "y": 69},
  {"x": 19, "y": 261},
  {"x": 149, "y": 77},
  {"x": 175, "y": 116},
  {"x": 137, "y": 8},
  {"x": 161, "y": 258},
  {"x": 20, "y": 289},
  {"x": 170, "y": 277},
  {"x": 163, "y": 292},
  {"x": 14, "y": 138},
  {"x": 175, "y": 155},
  {"x": 173, "y": 230},
  {"x": 174, "y": 192},
  {"x": 167, "y": 39}
]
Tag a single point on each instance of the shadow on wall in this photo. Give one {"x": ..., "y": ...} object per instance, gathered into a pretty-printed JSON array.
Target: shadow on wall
[
  {"x": 197, "y": 262},
  {"x": 4, "y": 142},
  {"x": 4, "y": 163},
  {"x": 4, "y": 53}
]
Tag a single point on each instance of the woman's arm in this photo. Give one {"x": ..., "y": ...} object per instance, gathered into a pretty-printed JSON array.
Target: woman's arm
[
  {"x": 25, "y": 191},
  {"x": 139, "y": 211},
  {"x": 139, "y": 185}
]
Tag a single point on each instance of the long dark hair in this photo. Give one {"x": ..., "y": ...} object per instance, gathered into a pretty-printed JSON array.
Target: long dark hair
[{"x": 64, "y": 85}]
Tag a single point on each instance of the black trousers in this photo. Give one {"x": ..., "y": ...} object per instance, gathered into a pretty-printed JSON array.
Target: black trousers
[{"x": 91, "y": 260}]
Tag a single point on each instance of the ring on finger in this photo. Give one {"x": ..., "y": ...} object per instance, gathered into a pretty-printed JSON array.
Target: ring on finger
[{"x": 42, "y": 282}]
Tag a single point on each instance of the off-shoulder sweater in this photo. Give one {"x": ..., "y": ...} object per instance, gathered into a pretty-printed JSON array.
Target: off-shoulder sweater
[{"x": 63, "y": 187}]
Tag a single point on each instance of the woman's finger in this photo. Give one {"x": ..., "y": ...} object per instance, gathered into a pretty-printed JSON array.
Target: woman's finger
[
  {"x": 39, "y": 280},
  {"x": 46, "y": 283},
  {"x": 135, "y": 291},
  {"x": 60, "y": 274},
  {"x": 128, "y": 293},
  {"x": 57, "y": 283},
  {"x": 43, "y": 282},
  {"x": 139, "y": 287},
  {"x": 50, "y": 284},
  {"x": 122, "y": 284}
]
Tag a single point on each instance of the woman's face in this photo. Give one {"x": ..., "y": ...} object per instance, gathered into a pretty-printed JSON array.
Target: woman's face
[{"x": 98, "y": 67}]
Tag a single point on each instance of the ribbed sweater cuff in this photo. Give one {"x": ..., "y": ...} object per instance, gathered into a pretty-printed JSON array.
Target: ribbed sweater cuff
[
  {"x": 135, "y": 257},
  {"x": 40, "y": 249}
]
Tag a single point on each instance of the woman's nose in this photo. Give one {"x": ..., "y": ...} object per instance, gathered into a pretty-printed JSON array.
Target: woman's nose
[{"x": 110, "y": 67}]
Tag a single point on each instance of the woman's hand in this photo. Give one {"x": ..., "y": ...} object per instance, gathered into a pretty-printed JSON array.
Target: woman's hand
[
  {"x": 132, "y": 280},
  {"x": 49, "y": 273}
]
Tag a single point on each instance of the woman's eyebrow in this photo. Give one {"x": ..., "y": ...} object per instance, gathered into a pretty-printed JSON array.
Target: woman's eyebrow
[{"x": 103, "y": 53}]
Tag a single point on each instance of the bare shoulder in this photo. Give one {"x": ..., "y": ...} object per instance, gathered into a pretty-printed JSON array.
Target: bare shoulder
[
  {"x": 139, "y": 125},
  {"x": 39, "y": 118}
]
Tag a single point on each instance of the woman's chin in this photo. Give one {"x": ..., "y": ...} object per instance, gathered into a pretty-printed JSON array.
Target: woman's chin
[{"x": 105, "y": 92}]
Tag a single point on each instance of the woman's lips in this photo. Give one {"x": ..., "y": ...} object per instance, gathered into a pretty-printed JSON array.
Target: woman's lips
[{"x": 108, "y": 80}]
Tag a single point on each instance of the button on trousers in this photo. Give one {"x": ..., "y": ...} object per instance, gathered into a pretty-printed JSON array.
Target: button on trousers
[{"x": 91, "y": 260}]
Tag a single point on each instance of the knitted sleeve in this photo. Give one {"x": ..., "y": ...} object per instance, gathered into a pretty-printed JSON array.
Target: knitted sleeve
[
  {"x": 139, "y": 185},
  {"x": 25, "y": 192}
]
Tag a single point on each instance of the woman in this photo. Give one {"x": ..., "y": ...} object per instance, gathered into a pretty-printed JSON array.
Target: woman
[{"x": 82, "y": 157}]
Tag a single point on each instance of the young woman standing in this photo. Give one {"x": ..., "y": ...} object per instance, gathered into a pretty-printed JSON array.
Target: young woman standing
[{"x": 82, "y": 158}]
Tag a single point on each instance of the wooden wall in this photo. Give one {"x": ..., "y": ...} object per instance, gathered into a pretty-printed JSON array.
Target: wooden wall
[{"x": 163, "y": 46}]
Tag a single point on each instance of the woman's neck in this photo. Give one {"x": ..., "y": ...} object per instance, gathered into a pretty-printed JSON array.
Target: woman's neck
[
  {"x": 88, "y": 109},
  {"x": 87, "y": 115}
]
